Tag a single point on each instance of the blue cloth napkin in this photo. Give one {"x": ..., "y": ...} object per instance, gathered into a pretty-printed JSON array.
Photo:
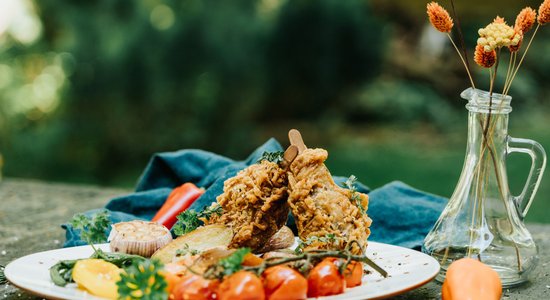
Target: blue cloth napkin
[{"x": 401, "y": 215}]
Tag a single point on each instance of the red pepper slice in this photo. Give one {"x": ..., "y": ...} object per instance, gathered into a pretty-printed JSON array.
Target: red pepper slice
[{"x": 179, "y": 200}]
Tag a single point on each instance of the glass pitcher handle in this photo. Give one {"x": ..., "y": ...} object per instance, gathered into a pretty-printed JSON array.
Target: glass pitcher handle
[{"x": 538, "y": 163}]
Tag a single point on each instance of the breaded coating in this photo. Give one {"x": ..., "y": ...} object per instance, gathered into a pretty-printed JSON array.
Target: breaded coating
[
  {"x": 254, "y": 204},
  {"x": 321, "y": 208}
]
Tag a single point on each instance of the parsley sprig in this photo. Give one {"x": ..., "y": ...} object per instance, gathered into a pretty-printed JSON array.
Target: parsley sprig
[
  {"x": 233, "y": 263},
  {"x": 355, "y": 196},
  {"x": 190, "y": 219},
  {"x": 275, "y": 157},
  {"x": 142, "y": 280},
  {"x": 93, "y": 230}
]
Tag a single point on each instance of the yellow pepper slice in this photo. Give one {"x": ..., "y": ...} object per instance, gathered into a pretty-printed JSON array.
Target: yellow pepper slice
[{"x": 97, "y": 277}]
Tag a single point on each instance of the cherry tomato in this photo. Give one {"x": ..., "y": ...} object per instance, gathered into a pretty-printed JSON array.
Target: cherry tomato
[
  {"x": 172, "y": 280},
  {"x": 242, "y": 285},
  {"x": 195, "y": 287},
  {"x": 284, "y": 283},
  {"x": 353, "y": 274},
  {"x": 325, "y": 280}
]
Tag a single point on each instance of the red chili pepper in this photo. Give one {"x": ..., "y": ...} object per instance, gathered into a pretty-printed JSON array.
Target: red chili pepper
[{"x": 179, "y": 200}]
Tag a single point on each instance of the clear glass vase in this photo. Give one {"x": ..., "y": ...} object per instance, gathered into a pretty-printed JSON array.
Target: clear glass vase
[{"x": 482, "y": 219}]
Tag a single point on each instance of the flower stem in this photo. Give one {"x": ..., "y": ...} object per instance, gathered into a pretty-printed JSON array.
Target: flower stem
[
  {"x": 521, "y": 60},
  {"x": 461, "y": 40},
  {"x": 463, "y": 61},
  {"x": 485, "y": 144},
  {"x": 508, "y": 72},
  {"x": 492, "y": 85}
]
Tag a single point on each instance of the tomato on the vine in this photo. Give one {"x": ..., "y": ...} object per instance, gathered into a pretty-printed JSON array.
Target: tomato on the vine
[
  {"x": 353, "y": 274},
  {"x": 195, "y": 287},
  {"x": 242, "y": 285},
  {"x": 284, "y": 283},
  {"x": 325, "y": 279}
]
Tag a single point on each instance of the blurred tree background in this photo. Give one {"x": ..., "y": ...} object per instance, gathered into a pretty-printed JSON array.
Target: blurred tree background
[{"x": 89, "y": 90}]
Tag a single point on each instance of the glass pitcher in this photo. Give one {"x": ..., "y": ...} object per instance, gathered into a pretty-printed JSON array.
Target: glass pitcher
[{"x": 482, "y": 219}]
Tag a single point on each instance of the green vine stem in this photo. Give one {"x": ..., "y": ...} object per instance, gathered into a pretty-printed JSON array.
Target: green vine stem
[
  {"x": 217, "y": 271},
  {"x": 315, "y": 255}
]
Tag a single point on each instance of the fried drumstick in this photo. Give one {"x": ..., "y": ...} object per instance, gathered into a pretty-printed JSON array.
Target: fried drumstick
[
  {"x": 255, "y": 203},
  {"x": 321, "y": 208}
]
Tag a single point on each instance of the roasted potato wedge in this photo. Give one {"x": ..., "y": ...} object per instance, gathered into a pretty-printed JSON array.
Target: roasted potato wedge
[{"x": 202, "y": 238}]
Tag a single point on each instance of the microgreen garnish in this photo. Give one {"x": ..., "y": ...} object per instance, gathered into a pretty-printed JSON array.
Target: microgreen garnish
[
  {"x": 189, "y": 220},
  {"x": 274, "y": 157},
  {"x": 186, "y": 250},
  {"x": 142, "y": 280},
  {"x": 92, "y": 229},
  {"x": 330, "y": 239},
  {"x": 355, "y": 196}
]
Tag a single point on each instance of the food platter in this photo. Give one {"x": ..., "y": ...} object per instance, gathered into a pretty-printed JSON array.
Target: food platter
[
  {"x": 407, "y": 269},
  {"x": 243, "y": 248}
]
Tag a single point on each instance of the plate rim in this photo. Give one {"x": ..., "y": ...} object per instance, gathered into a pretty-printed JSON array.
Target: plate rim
[{"x": 39, "y": 293}]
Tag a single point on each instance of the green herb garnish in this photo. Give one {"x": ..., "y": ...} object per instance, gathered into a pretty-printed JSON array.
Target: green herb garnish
[
  {"x": 330, "y": 239},
  {"x": 142, "y": 280},
  {"x": 355, "y": 196},
  {"x": 186, "y": 250},
  {"x": 233, "y": 263},
  {"x": 274, "y": 157},
  {"x": 62, "y": 272},
  {"x": 228, "y": 265},
  {"x": 92, "y": 229},
  {"x": 189, "y": 220}
]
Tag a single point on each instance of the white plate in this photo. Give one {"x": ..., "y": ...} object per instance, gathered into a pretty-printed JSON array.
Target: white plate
[{"x": 407, "y": 269}]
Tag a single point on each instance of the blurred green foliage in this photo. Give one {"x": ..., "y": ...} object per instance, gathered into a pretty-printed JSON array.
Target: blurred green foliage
[
  {"x": 90, "y": 89},
  {"x": 148, "y": 76}
]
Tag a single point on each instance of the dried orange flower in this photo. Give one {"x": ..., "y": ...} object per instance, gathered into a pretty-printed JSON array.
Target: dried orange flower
[
  {"x": 439, "y": 17},
  {"x": 544, "y": 12},
  {"x": 515, "y": 48},
  {"x": 497, "y": 34},
  {"x": 499, "y": 20},
  {"x": 525, "y": 19},
  {"x": 484, "y": 58}
]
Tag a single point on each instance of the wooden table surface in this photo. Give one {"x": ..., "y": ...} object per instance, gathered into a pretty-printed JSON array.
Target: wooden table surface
[{"x": 31, "y": 213}]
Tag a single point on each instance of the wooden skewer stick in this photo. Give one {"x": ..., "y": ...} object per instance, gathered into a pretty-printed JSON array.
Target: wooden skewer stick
[
  {"x": 290, "y": 154},
  {"x": 296, "y": 139}
]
